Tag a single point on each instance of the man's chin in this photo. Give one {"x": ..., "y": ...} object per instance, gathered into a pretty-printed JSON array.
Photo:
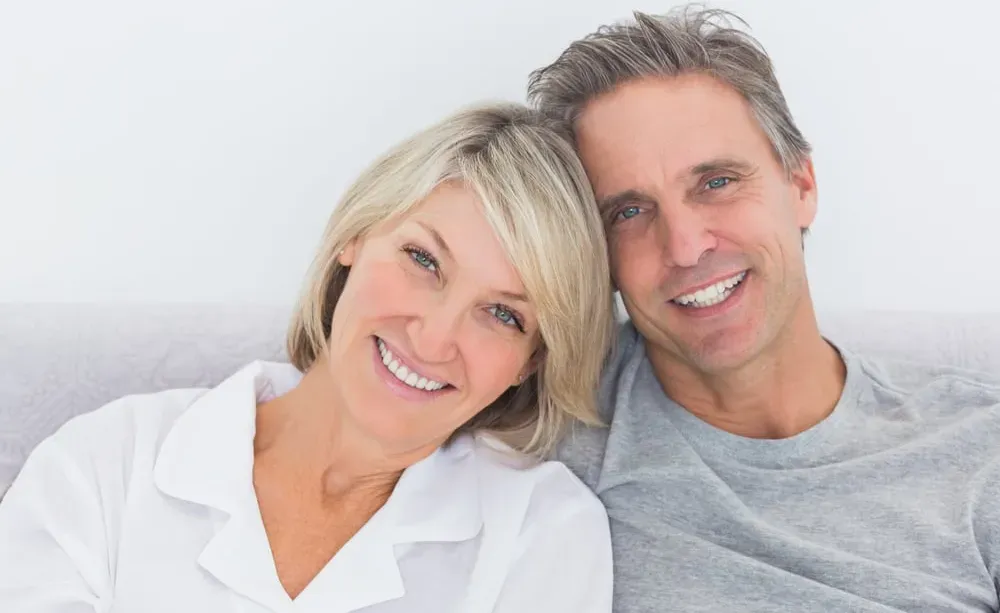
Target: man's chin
[
  {"x": 713, "y": 354},
  {"x": 706, "y": 348},
  {"x": 720, "y": 361}
]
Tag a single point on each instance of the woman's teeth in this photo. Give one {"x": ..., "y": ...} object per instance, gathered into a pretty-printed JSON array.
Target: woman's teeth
[
  {"x": 404, "y": 374},
  {"x": 711, "y": 295}
]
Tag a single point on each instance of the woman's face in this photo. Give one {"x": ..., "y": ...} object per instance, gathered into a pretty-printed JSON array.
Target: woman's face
[{"x": 432, "y": 325}]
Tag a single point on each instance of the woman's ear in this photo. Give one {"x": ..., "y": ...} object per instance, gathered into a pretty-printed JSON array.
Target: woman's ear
[
  {"x": 534, "y": 363},
  {"x": 346, "y": 255}
]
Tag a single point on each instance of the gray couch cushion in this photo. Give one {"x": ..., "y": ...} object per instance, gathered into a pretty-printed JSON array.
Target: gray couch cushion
[{"x": 58, "y": 361}]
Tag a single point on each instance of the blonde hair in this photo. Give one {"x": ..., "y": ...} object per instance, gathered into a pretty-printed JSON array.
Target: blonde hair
[{"x": 537, "y": 199}]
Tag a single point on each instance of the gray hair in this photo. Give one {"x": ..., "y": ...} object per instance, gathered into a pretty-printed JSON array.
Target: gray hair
[{"x": 686, "y": 40}]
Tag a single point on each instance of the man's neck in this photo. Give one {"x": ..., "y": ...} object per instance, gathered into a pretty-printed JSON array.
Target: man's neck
[{"x": 792, "y": 386}]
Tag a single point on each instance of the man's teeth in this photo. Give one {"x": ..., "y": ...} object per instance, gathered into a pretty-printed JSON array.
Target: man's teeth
[
  {"x": 404, "y": 374},
  {"x": 713, "y": 294}
]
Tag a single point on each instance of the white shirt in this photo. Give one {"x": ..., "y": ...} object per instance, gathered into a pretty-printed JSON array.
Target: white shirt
[{"x": 147, "y": 505}]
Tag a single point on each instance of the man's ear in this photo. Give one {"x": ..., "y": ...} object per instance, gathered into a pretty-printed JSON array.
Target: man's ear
[{"x": 803, "y": 180}]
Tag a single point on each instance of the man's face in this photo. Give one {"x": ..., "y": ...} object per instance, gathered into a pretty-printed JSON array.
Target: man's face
[{"x": 704, "y": 224}]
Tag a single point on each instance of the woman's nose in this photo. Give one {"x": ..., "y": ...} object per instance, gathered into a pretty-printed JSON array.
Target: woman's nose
[{"x": 434, "y": 334}]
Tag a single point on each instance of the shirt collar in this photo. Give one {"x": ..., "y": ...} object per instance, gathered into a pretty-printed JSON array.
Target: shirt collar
[
  {"x": 207, "y": 459},
  {"x": 435, "y": 500},
  {"x": 438, "y": 498}
]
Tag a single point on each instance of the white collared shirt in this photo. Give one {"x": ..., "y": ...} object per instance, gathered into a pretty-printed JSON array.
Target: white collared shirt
[{"x": 147, "y": 505}]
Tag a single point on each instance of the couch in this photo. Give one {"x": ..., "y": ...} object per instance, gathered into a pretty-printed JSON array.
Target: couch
[{"x": 61, "y": 360}]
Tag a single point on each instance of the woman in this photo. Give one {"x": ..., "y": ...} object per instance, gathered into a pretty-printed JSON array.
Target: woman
[{"x": 456, "y": 318}]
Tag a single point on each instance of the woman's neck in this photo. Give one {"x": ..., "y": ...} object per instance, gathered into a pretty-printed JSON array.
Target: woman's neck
[{"x": 306, "y": 435}]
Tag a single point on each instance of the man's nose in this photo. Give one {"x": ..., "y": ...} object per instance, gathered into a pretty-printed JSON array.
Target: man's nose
[{"x": 684, "y": 236}]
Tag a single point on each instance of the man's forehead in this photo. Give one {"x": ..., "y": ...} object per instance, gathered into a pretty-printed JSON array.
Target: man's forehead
[
  {"x": 661, "y": 97},
  {"x": 681, "y": 112},
  {"x": 665, "y": 127}
]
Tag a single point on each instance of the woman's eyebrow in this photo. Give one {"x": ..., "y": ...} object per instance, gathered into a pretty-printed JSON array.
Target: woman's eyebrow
[
  {"x": 443, "y": 246},
  {"x": 436, "y": 236},
  {"x": 513, "y": 296}
]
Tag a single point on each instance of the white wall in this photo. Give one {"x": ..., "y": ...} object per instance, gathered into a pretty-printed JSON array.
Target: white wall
[{"x": 191, "y": 150}]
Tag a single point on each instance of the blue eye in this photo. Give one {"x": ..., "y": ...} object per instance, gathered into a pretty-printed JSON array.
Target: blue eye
[
  {"x": 422, "y": 258},
  {"x": 718, "y": 182},
  {"x": 506, "y": 316},
  {"x": 629, "y": 212}
]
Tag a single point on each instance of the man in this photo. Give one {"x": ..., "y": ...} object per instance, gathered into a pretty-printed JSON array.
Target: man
[{"x": 749, "y": 464}]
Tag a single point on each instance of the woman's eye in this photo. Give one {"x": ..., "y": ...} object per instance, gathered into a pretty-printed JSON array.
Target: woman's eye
[
  {"x": 506, "y": 316},
  {"x": 422, "y": 258},
  {"x": 718, "y": 182}
]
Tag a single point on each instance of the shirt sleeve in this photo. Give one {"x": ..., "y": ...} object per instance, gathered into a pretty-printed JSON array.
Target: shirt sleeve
[
  {"x": 53, "y": 551},
  {"x": 564, "y": 566}
]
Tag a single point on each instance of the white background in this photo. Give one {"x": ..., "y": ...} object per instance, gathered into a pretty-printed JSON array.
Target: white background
[{"x": 191, "y": 150}]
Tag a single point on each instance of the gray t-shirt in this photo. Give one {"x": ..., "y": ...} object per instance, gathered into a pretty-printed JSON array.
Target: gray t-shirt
[{"x": 892, "y": 503}]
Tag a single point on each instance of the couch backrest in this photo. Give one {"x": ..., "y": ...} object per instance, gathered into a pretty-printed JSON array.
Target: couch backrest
[{"x": 58, "y": 361}]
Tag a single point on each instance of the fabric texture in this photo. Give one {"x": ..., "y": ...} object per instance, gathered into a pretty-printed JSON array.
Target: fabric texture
[
  {"x": 888, "y": 504},
  {"x": 149, "y": 504}
]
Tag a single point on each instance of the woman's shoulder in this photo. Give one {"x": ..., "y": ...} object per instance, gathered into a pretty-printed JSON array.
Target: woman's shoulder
[
  {"x": 538, "y": 516},
  {"x": 546, "y": 489},
  {"x": 98, "y": 453},
  {"x": 136, "y": 417},
  {"x": 111, "y": 439}
]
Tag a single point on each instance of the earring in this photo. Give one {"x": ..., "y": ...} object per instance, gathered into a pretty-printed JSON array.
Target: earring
[{"x": 520, "y": 379}]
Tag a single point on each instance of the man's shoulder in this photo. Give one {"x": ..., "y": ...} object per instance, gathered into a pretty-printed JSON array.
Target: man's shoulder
[
  {"x": 583, "y": 447},
  {"x": 907, "y": 374},
  {"x": 626, "y": 351},
  {"x": 938, "y": 386}
]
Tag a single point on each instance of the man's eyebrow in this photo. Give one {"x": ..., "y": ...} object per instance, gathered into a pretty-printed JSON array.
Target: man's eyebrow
[
  {"x": 612, "y": 202},
  {"x": 719, "y": 164},
  {"x": 443, "y": 246}
]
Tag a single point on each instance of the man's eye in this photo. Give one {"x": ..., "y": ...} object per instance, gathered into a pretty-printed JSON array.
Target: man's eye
[
  {"x": 629, "y": 212},
  {"x": 718, "y": 182}
]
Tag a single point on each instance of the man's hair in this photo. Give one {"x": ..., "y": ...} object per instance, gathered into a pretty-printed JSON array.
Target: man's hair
[
  {"x": 687, "y": 40},
  {"x": 535, "y": 195}
]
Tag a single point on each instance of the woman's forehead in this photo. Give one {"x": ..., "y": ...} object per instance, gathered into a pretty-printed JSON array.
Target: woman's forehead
[{"x": 452, "y": 219}]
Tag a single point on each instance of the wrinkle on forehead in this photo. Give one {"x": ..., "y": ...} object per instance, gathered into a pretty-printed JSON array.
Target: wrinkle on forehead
[{"x": 649, "y": 133}]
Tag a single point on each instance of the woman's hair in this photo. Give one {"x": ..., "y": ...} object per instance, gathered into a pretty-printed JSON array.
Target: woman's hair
[{"x": 537, "y": 199}]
